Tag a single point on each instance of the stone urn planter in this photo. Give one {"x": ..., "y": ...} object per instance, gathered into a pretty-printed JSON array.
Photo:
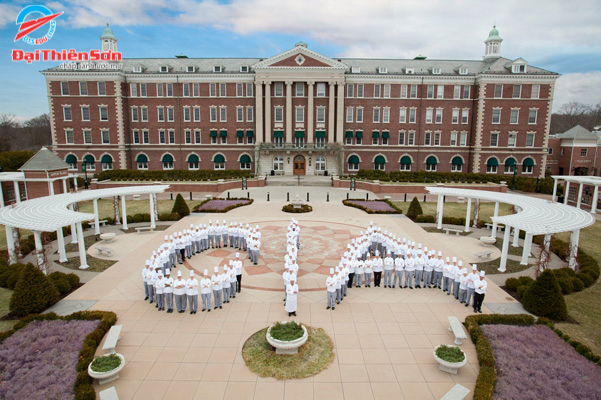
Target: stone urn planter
[
  {"x": 450, "y": 367},
  {"x": 108, "y": 376},
  {"x": 286, "y": 347}
]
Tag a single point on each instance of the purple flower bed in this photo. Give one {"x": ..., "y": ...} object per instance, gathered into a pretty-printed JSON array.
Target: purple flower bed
[
  {"x": 220, "y": 204},
  {"x": 38, "y": 361},
  {"x": 373, "y": 205},
  {"x": 534, "y": 363}
]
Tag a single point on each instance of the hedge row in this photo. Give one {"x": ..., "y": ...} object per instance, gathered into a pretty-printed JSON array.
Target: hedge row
[
  {"x": 84, "y": 389},
  {"x": 226, "y": 209},
  {"x": 10, "y": 274},
  {"x": 349, "y": 203},
  {"x": 171, "y": 175},
  {"x": 545, "y": 185},
  {"x": 304, "y": 208}
]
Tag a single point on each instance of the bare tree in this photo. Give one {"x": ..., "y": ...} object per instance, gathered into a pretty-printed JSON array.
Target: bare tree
[{"x": 8, "y": 124}]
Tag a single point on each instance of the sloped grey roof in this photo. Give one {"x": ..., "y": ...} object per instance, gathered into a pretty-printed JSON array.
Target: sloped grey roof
[
  {"x": 577, "y": 132},
  {"x": 44, "y": 160}
]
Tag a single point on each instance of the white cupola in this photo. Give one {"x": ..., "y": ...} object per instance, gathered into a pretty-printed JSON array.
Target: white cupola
[
  {"x": 108, "y": 39},
  {"x": 492, "y": 49}
]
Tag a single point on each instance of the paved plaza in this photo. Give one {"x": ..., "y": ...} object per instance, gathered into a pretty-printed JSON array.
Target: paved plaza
[{"x": 383, "y": 338}]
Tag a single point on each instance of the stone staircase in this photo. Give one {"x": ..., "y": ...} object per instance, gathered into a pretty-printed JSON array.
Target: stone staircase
[{"x": 305, "y": 180}]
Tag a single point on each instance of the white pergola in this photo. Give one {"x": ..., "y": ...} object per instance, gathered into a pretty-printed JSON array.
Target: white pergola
[
  {"x": 16, "y": 177},
  {"x": 52, "y": 213},
  {"x": 534, "y": 216},
  {"x": 581, "y": 181}
]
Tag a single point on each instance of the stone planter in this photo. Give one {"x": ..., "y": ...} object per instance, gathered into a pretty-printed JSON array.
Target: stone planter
[
  {"x": 286, "y": 347},
  {"x": 109, "y": 376},
  {"x": 450, "y": 367}
]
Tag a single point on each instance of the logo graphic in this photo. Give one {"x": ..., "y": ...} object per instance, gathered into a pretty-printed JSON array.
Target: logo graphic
[{"x": 32, "y": 25}]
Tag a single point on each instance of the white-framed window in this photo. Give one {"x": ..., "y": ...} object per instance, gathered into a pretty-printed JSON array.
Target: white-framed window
[
  {"x": 509, "y": 169},
  {"x": 386, "y": 115},
  {"x": 144, "y": 114},
  {"x": 518, "y": 68},
  {"x": 494, "y": 139},
  {"x": 223, "y": 139},
  {"x": 359, "y": 138},
  {"x": 193, "y": 165},
  {"x": 69, "y": 137},
  {"x": 299, "y": 142},
  {"x": 498, "y": 92},
  {"x": 83, "y": 88},
  {"x": 188, "y": 136},
  {"x": 377, "y": 91},
  {"x": 142, "y": 164},
  {"x": 171, "y": 136},
  {"x": 170, "y": 114},
  {"x": 197, "y": 136},
  {"x": 160, "y": 114},
  {"x": 463, "y": 139},
  {"x": 278, "y": 141},
  {"x": 349, "y": 114},
  {"x": 517, "y": 91},
  {"x": 212, "y": 89},
  {"x": 239, "y": 114},
  {"x": 104, "y": 113},
  {"x": 169, "y": 89},
  {"x": 299, "y": 114},
  {"x": 222, "y": 90},
  {"x": 320, "y": 142},
  {"x": 405, "y": 167},
  {"x": 278, "y": 115},
  {"x": 438, "y": 117},
  {"x": 359, "y": 90},
  {"x": 240, "y": 139},
  {"x": 185, "y": 89},
  {"x": 196, "y": 89},
  {"x": 239, "y": 90},
  {"x": 145, "y": 136},
  {"x": 102, "y": 88},
  {"x": 278, "y": 163},
  {"x": 550, "y": 150},
  {"x": 535, "y": 92},
  {"x": 529, "y": 139},
  {"x": 90, "y": 166},
  {"x": 223, "y": 114},
  {"x": 213, "y": 113},
  {"x": 67, "y": 116},
  {"x": 453, "y": 140},
  {"x": 496, "y": 116},
  {"x": 348, "y": 140},
  {"x": 411, "y": 138},
  {"x": 440, "y": 92},
  {"x": 135, "y": 136},
  {"x": 167, "y": 165},
  {"x": 321, "y": 90},
  {"x": 514, "y": 116},
  {"x": 437, "y": 138},
  {"x": 321, "y": 114},
  {"x": 245, "y": 165},
  {"x": 143, "y": 91},
  {"x": 401, "y": 138},
  {"x": 430, "y": 92},
  {"x": 463, "y": 71},
  {"x": 511, "y": 139},
  {"x": 250, "y": 114},
  {"x": 196, "y": 113},
  {"x": 133, "y": 90},
  {"x": 402, "y": 115},
  {"x": 386, "y": 93},
  {"x": 413, "y": 93},
  {"x": 385, "y": 138},
  {"x": 455, "y": 116},
  {"x": 381, "y": 167},
  {"x": 85, "y": 113},
  {"x": 320, "y": 163},
  {"x": 375, "y": 140},
  {"x": 428, "y": 138},
  {"x": 187, "y": 115},
  {"x": 300, "y": 89},
  {"x": 583, "y": 152},
  {"x": 162, "y": 137},
  {"x": 160, "y": 92},
  {"x": 532, "y": 116},
  {"x": 491, "y": 169},
  {"x": 376, "y": 115},
  {"x": 429, "y": 115},
  {"x": 65, "y": 88},
  {"x": 456, "y": 167},
  {"x": 403, "y": 91},
  {"x": 359, "y": 114},
  {"x": 431, "y": 167},
  {"x": 350, "y": 90},
  {"x": 105, "y": 136},
  {"x": 278, "y": 89},
  {"x": 214, "y": 138},
  {"x": 353, "y": 166},
  {"x": 466, "y": 92},
  {"x": 73, "y": 166},
  {"x": 527, "y": 169},
  {"x": 457, "y": 91},
  {"x": 87, "y": 136},
  {"x": 412, "y": 115},
  {"x": 465, "y": 115}
]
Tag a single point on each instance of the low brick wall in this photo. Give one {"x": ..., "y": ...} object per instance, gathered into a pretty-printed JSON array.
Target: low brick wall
[
  {"x": 376, "y": 187},
  {"x": 210, "y": 187}
]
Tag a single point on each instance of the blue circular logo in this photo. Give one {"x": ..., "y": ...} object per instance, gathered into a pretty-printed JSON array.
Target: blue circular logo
[{"x": 43, "y": 16}]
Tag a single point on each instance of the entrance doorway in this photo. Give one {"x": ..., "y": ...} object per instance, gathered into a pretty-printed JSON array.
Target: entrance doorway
[{"x": 299, "y": 165}]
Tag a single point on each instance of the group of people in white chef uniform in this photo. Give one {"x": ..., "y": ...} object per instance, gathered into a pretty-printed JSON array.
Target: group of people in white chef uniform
[{"x": 291, "y": 268}]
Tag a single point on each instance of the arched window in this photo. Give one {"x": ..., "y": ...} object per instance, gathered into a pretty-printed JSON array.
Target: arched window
[
  {"x": 510, "y": 165},
  {"x": 142, "y": 161},
  {"x": 72, "y": 161},
  {"x": 219, "y": 162},
  {"x": 245, "y": 161},
  {"x": 353, "y": 163},
  {"x": 456, "y": 164},
  {"x": 89, "y": 162},
  {"x": 193, "y": 162},
  {"x": 320, "y": 163},
  {"x": 167, "y": 161},
  {"x": 527, "y": 166},
  {"x": 278, "y": 163},
  {"x": 431, "y": 163},
  {"x": 492, "y": 165},
  {"x": 107, "y": 162},
  {"x": 405, "y": 163}
]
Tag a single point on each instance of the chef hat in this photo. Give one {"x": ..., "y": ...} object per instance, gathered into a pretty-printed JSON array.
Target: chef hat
[
  {"x": 482, "y": 273},
  {"x": 237, "y": 255},
  {"x": 166, "y": 237},
  {"x": 388, "y": 252},
  {"x": 337, "y": 269},
  {"x": 371, "y": 222},
  {"x": 179, "y": 273},
  {"x": 464, "y": 271},
  {"x": 215, "y": 269},
  {"x": 448, "y": 259},
  {"x": 231, "y": 262},
  {"x": 454, "y": 259},
  {"x": 460, "y": 263},
  {"x": 170, "y": 237},
  {"x": 425, "y": 249},
  {"x": 419, "y": 245},
  {"x": 361, "y": 233},
  {"x": 386, "y": 232},
  {"x": 160, "y": 272},
  {"x": 210, "y": 221},
  {"x": 191, "y": 272},
  {"x": 147, "y": 262},
  {"x": 248, "y": 225},
  {"x": 404, "y": 240},
  {"x": 191, "y": 225},
  {"x": 180, "y": 233},
  {"x": 167, "y": 271},
  {"x": 224, "y": 221},
  {"x": 474, "y": 266},
  {"x": 206, "y": 272},
  {"x": 439, "y": 253},
  {"x": 154, "y": 253}
]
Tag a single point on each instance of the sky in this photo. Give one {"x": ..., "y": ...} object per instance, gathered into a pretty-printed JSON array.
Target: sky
[{"x": 559, "y": 36}]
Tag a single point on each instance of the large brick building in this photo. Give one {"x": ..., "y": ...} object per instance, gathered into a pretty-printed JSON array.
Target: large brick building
[{"x": 300, "y": 112}]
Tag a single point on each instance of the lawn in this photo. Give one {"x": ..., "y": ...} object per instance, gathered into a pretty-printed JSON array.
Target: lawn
[
  {"x": 459, "y": 210},
  {"x": 5, "y": 295},
  {"x": 95, "y": 264}
]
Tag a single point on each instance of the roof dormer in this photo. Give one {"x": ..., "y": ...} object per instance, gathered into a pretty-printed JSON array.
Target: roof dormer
[{"x": 519, "y": 66}]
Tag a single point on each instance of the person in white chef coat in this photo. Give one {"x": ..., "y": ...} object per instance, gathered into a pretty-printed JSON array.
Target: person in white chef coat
[{"x": 291, "y": 297}]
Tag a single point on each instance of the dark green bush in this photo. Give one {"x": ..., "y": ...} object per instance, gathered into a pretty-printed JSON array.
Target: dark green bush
[
  {"x": 577, "y": 284},
  {"x": 9, "y": 275},
  {"x": 289, "y": 208},
  {"x": 62, "y": 285},
  {"x": 544, "y": 298},
  {"x": 25, "y": 249},
  {"x": 586, "y": 279},
  {"x": 169, "y": 217},
  {"x": 73, "y": 280},
  {"x": 146, "y": 217},
  {"x": 512, "y": 284},
  {"x": 521, "y": 290},
  {"x": 137, "y": 218},
  {"x": 180, "y": 207},
  {"x": 525, "y": 280},
  {"x": 415, "y": 209},
  {"x": 426, "y": 219},
  {"x": 528, "y": 186},
  {"x": 33, "y": 293},
  {"x": 565, "y": 282}
]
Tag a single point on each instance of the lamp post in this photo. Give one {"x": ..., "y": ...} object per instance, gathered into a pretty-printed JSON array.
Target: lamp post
[{"x": 85, "y": 171}]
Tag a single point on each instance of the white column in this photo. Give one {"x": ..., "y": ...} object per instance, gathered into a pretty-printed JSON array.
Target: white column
[
  {"x": 566, "y": 192},
  {"x": 51, "y": 188},
  {"x": 476, "y": 213},
  {"x": 152, "y": 223},
  {"x": 340, "y": 113},
  {"x": 10, "y": 244},
  {"x": 516, "y": 237},
  {"x": 503, "y": 264},
  {"x": 439, "y": 211},
  {"x": 574, "y": 237},
  {"x": 579, "y": 199},
  {"x": 554, "y": 188},
  {"x": 310, "y": 112},
  {"x": 259, "y": 112},
  {"x": 156, "y": 207},
  {"x": 73, "y": 231},
  {"x": 546, "y": 247},
  {"x": 267, "y": 125},
  {"x": 65, "y": 185},
  {"x": 289, "y": 123},
  {"x": 331, "y": 136},
  {"x": 62, "y": 254},
  {"x": 1, "y": 196},
  {"x": 595, "y": 200},
  {"x": 494, "y": 223},
  {"x": 468, "y": 215},
  {"x": 96, "y": 219},
  {"x": 39, "y": 251},
  {"x": 75, "y": 182},
  {"x": 83, "y": 262},
  {"x": 526, "y": 250},
  {"x": 17, "y": 192},
  {"x": 124, "y": 212}
]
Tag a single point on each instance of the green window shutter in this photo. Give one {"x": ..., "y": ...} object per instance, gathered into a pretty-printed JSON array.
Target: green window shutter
[
  {"x": 167, "y": 158},
  {"x": 106, "y": 159},
  {"x": 406, "y": 160},
  {"x": 528, "y": 162},
  {"x": 510, "y": 162},
  {"x": 223, "y": 133},
  {"x": 349, "y": 134},
  {"x": 457, "y": 160},
  {"x": 193, "y": 158},
  {"x": 249, "y": 133},
  {"x": 322, "y": 134},
  {"x": 213, "y": 133},
  {"x": 358, "y": 134},
  {"x": 386, "y": 135},
  {"x": 71, "y": 159},
  {"x": 245, "y": 158},
  {"x": 431, "y": 160},
  {"x": 353, "y": 159},
  {"x": 239, "y": 133},
  {"x": 380, "y": 160},
  {"x": 141, "y": 158},
  {"x": 375, "y": 134},
  {"x": 299, "y": 134},
  {"x": 278, "y": 134},
  {"x": 219, "y": 158},
  {"x": 493, "y": 162}
]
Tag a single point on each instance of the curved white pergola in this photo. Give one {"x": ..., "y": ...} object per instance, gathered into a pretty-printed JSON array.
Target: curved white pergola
[
  {"x": 581, "y": 181},
  {"x": 51, "y": 213},
  {"x": 534, "y": 216}
]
